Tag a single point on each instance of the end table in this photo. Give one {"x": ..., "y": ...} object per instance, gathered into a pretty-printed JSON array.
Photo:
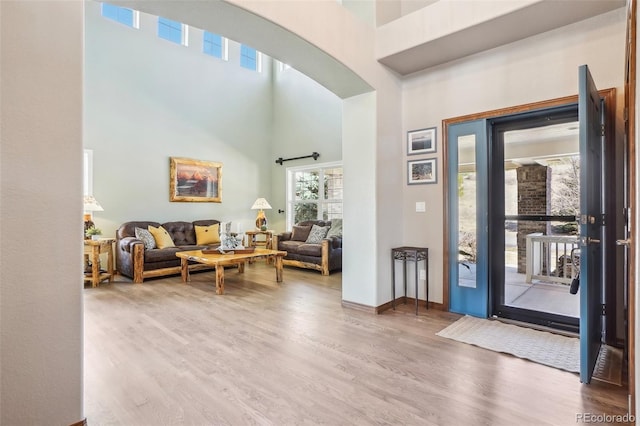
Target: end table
[
  {"x": 92, "y": 251},
  {"x": 253, "y": 241},
  {"x": 414, "y": 254}
]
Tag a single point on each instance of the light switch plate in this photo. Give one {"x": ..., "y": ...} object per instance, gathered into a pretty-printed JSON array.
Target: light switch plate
[{"x": 421, "y": 207}]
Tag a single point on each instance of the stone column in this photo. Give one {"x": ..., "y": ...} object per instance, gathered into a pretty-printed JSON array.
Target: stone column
[{"x": 534, "y": 198}]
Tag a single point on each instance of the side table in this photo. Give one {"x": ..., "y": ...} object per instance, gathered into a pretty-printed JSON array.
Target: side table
[
  {"x": 253, "y": 241},
  {"x": 92, "y": 251},
  {"x": 411, "y": 254}
]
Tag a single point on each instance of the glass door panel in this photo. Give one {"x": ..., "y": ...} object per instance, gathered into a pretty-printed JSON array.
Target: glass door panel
[
  {"x": 541, "y": 201},
  {"x": 467, "y": 207}
]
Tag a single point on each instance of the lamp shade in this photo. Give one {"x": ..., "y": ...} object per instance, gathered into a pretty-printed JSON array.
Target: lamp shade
[
  {"x": 91, "y": 204},
  {"x": 261, "y": 204}
]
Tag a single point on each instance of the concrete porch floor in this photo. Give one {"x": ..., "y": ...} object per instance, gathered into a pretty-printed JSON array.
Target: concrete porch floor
[{"x": 538, "y": 295}]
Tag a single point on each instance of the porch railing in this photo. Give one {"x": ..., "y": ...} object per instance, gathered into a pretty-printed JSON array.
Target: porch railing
[{"x": 552, "y": 258}]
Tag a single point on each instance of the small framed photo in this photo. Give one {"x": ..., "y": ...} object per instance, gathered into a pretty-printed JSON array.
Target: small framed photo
[
  {"x": 421, "y": 171},
  {"x": 421, "y": 141}
]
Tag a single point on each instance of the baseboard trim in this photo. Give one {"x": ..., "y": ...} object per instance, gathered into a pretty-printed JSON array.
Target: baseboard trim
[
  {"x": 359, "y": 307},
  {"x": 82, "y": 422},
  {"x": 412, "y": 302},
  {"x": 386, "y": 306}
]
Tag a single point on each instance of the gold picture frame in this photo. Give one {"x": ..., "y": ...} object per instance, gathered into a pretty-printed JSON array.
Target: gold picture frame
[{"x": 195, "y": 180}]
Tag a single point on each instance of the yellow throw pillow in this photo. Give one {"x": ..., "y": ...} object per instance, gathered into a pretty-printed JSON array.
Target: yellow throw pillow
[
  {"x": 207, "y": 234},
  {"x": 162, "y": 237}
]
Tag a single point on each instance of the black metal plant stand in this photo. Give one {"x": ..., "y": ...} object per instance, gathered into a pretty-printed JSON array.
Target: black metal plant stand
[{"x": 415, "y": 255}]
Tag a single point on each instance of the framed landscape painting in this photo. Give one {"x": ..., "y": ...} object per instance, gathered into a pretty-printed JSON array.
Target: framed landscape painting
[
  {"x": 195, "y": 180},
  {"x": 421, "y": 141},
  {"x": 421, "y": 171}
]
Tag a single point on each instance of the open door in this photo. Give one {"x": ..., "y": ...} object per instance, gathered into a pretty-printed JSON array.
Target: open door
[{"x": 591, "y": 116}]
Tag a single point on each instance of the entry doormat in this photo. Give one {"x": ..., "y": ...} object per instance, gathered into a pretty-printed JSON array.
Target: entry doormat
[{"x": 546, "y": 348}]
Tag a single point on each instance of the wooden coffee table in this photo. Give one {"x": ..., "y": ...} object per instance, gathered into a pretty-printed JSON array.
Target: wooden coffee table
[{"x": 219, "y": 261}]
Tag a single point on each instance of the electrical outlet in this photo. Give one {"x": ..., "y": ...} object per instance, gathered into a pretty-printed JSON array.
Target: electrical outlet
[{"x": 422, "y": 274}]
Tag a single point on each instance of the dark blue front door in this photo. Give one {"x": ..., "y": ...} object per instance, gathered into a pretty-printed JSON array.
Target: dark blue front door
[{"x": 591, "y": 115}]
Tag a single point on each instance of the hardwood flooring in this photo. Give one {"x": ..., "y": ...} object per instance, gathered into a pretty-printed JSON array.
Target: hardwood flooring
[{"x": 166, "y": 353}]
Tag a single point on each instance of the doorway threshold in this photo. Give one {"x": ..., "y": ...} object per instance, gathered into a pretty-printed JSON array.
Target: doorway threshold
[{"x": 539, "y": 327}]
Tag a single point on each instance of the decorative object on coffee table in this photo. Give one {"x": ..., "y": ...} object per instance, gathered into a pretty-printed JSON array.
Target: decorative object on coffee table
[
  {"x": 261, "y": 204},
  {"x": 228, "y": 240}
]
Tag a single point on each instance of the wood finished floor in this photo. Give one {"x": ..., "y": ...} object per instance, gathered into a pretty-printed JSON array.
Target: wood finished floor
[{"x": 165, "y": 353}]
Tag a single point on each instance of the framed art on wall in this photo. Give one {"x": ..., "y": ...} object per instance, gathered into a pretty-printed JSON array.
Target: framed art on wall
[
  {"x": 421, "y": 141},
  {"x": 421, "y": 171},
  {"x": 195, "y": 180}
]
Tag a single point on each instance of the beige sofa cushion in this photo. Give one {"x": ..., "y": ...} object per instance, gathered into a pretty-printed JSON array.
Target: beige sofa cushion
[
  {"x": 162, "y": 237},
  {"x": 207, "y": 234}
]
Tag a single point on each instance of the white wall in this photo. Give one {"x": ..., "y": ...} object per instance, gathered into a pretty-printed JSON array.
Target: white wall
[
  {"x": 359, "y": 244},
  {"x": 387, "y": 11},
  {"x": 40, "y": 191},
  {"x": 534, "y": 69},
  {"x": 307, "y": 118},
  {"x": 364, "y": 10},
  {"x": 147, "y": 99}
]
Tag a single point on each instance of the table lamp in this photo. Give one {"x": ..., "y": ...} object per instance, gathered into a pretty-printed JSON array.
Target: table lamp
[
  {"x": 90, "y": 205},
  {"x": 261, "y": 204}
]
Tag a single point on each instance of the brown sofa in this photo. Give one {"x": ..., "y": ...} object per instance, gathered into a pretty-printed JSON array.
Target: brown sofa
[
  {"x": 325, "y": 256},
  {"x": 138, "y": 263}
]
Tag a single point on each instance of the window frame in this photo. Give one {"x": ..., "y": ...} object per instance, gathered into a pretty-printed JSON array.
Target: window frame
[
  {"x": 224, "y": 46},
  {"x": 135, "y": 15},
  {"x": 257, "y": 59},
  {"x": 321, "y": 201},
  {"x": 184, "y": 31}
]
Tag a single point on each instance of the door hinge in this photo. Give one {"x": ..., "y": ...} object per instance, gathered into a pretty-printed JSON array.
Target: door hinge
[
  {"x": 602, "y": 130},
  {"x": 626, "y": 114},
  {"x": 604, "y": 309}
]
